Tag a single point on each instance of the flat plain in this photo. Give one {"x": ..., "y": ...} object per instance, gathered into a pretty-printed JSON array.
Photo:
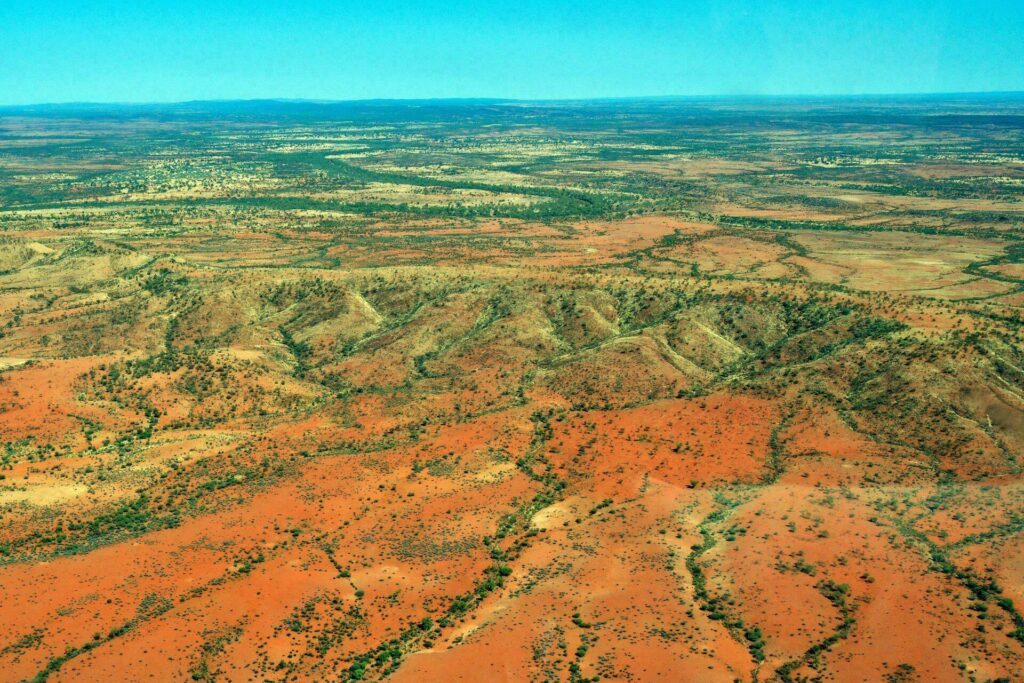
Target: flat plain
[{"x": 683, "y": 390}]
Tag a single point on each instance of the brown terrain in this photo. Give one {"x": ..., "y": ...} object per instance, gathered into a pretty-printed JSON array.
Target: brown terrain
[{"x": 574, "y": 396}]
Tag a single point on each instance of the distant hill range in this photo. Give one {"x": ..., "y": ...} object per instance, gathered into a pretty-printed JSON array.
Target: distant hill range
[{"x": 949, "y": 108}]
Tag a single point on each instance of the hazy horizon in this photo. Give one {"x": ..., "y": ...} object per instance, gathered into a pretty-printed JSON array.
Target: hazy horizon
[{"x": 514, "y": 100}]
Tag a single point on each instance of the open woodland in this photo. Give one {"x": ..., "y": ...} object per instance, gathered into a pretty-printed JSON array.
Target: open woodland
[{"x": 682, "y": 390}]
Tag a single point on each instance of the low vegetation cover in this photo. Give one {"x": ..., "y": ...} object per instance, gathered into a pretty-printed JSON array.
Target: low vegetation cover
[{"x": 675, "y": 389}]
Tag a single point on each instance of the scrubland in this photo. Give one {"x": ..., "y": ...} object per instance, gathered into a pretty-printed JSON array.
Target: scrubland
[{"x": 667, "y": 390}]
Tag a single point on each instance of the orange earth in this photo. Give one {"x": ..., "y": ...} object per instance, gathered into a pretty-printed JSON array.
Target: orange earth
[{"x": 736, "y": 438}]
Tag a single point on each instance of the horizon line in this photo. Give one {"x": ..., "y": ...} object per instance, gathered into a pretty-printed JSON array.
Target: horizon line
[{"x": 512, "y": 100}]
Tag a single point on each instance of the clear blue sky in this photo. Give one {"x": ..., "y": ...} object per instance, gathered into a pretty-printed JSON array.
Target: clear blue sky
[{"x": 164, "y": 50}]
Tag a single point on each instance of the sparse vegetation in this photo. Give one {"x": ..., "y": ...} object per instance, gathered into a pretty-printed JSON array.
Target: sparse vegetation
[{"x": 570, "y": 392}]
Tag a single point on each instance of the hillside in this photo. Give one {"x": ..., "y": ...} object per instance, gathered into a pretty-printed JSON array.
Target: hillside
[{"x": 479, "y": 390}]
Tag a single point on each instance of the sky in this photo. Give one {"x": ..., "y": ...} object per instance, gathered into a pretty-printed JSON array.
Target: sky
[{"x": 175, "y": 50}]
